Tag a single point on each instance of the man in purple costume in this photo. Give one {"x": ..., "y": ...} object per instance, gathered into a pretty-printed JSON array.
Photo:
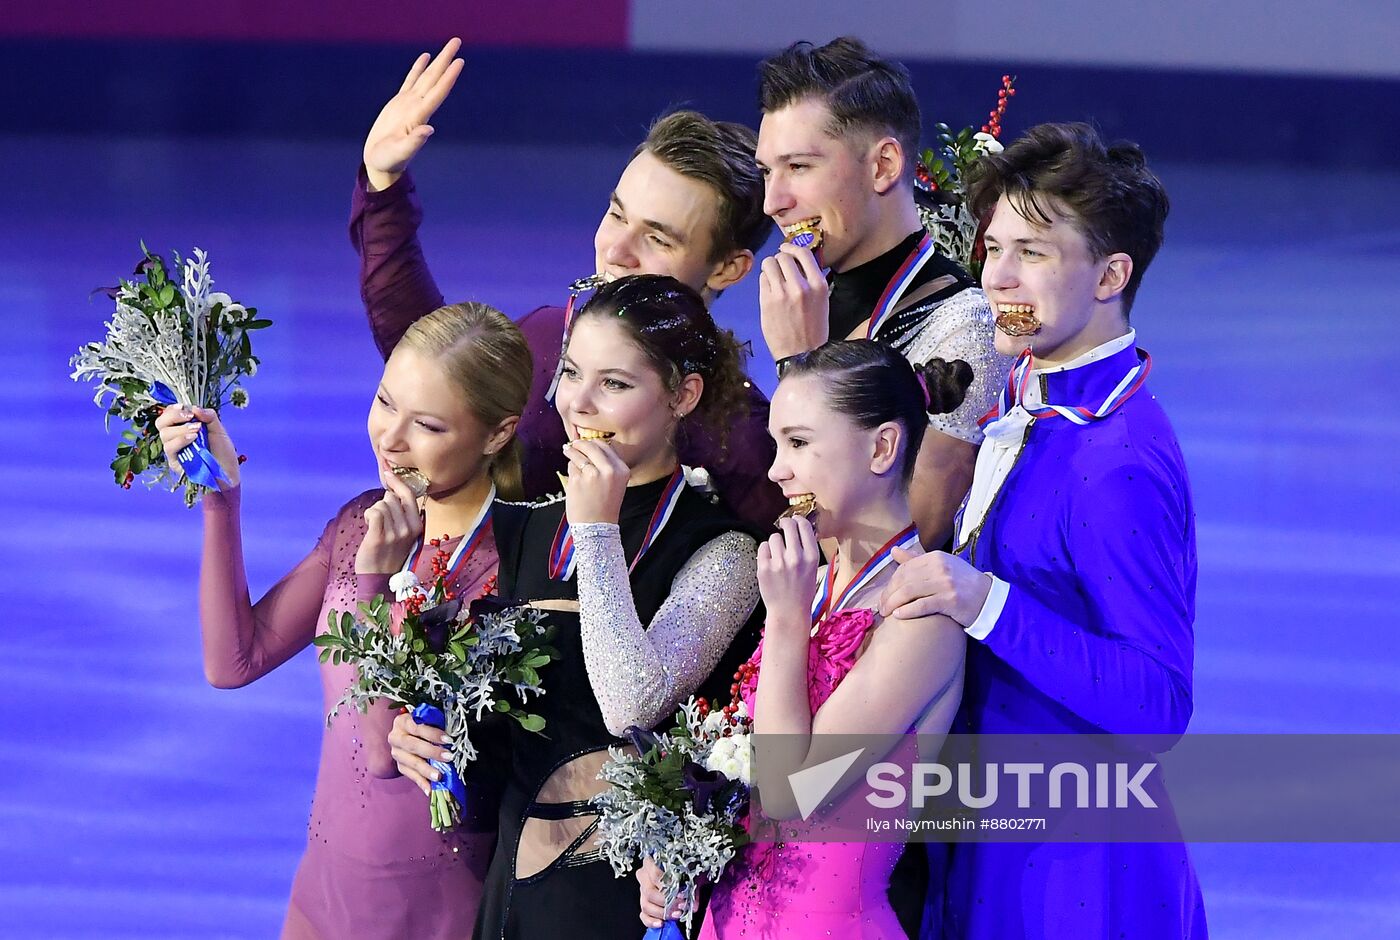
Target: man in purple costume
[
  {"x": 1076, "y": 572},
  {"x": 688, "y": 204}
]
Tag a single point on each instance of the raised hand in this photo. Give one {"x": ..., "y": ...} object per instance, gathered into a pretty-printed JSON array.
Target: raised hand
[
  {"x": 402, "y": 126},
  {"x": 179, "y": 425},
  {"x": 392, "y": 526},
  {"x": 787, "y": 572},
  {"x": 597, "y": 482},
  {"x": 794, "y": 302}
]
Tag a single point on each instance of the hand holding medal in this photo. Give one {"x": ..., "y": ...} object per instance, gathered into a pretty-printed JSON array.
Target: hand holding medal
[
  {"x": 787, "y": 571},
  {"x": 794, "y": 300},
  {"x": 393, "y": 525},
  {"x": 596, "y": 482}
]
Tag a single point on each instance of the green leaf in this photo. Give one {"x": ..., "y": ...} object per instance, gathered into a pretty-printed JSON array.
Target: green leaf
[
  {"x": 257, "y": 324},
  {"x": 502, "y": 706},
  {"x": 533, "y": 723}
]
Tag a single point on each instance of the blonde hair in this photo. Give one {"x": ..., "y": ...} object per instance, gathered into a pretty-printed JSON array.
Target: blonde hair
[{"x": 486, "y": 355}]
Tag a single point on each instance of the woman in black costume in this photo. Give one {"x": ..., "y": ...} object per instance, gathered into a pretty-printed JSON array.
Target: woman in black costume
[{"x": 648, "y": 579}]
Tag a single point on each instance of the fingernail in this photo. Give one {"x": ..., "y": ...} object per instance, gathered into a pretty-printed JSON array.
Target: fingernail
[
  {"x": 447, "y": 739},
  {"x": 446, "y": 756},
  {"x": 436, "y": 775}
]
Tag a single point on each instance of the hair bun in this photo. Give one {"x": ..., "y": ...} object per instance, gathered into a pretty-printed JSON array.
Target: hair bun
[
  {"x": 1126, "y": 153},
  {"x": 945, "y": 384}
]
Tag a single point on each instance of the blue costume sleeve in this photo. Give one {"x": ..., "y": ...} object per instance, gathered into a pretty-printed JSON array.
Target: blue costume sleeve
[{"x": 1126, "y": 667}]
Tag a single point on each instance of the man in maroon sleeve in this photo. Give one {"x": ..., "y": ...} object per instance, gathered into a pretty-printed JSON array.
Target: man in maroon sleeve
[{"x": 688, "y": 204}]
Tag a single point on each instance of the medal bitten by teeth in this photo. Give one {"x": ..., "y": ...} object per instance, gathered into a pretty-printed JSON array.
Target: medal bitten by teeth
[
  {"x": 805, "y": 234},
  {"x": 1019, "y": 320},
  {"x": 803, "y": 505},
  {"x": 414, "y": 480}
]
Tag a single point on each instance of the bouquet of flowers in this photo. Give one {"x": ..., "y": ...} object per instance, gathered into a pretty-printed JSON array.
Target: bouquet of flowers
[
  {"x": 448, "y": 664},
  {"x": 681, "y": 799},
  {"x": 168, "y": 342},
  {"x": 941, "y": 183}
]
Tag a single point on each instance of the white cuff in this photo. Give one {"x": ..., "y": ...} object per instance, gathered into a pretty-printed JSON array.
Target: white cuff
[{"x": 991, "y": 610}]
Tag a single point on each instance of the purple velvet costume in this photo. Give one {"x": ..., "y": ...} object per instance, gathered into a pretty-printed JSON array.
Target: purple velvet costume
[
  {"x": 398, "y": 288},
  {"x": 1094, "y": 531},
  {"x": 373, "y": 866}
]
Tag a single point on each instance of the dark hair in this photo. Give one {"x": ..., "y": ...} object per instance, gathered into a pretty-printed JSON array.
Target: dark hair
[
  {"x": 863, "y": 92},
  {"x": 670, "y": 323},
  {"x": 720, "y": 155},
  {"x": 1107, "y": 191},
  {"x": 870, "y": 383}
]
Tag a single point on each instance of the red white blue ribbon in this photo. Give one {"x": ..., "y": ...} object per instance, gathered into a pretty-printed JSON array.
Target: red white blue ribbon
[
  {"x": 562, "y": 557},
  {"x": 899, "y": 285},
  {"x": 1019, "y": 378},
  {"x": 457, "y": 561},
  {"x": 823, "y": 606},
  {"x": 592, "y": 282}
]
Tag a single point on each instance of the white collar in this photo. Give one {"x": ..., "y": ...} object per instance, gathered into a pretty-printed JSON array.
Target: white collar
[{"x": 1102, "y": 351}]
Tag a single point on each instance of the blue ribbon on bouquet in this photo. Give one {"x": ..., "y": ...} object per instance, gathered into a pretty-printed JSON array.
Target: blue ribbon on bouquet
[
  {"x": 450, "y": 779},
  {"x": 669, "y": 930},
  {"x": 196, "y": 459}
]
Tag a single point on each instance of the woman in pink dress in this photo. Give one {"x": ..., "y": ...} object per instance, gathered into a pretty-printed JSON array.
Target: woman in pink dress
[
  {"x": 848, "y": 418},
  {"x": 373, "y": 866}
]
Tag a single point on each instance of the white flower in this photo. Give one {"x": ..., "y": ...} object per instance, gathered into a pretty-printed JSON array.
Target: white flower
[
  {"x": 986, "y": 143},
  {"x": 732, "y": 757},
  {"x": 721, "y": 751},
  {"x": 405, "y": 584},
  {"x": 238, "y": 398}
]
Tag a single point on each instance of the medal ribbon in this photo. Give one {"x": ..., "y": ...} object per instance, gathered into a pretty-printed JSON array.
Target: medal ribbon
[
  {"x": 1020, "y": 375},
  {"x": 899, "y": 285},
  {"x": 561, "y": 553},
  {"x": 591, "y": 282},
  {"x": 458, "y": 559},
  {"x": 822, "y": 605}
]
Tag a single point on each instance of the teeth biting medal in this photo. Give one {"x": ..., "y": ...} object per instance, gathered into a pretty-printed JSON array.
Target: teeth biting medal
[
  {"x": 804, "y": 234},
  {"x": 1017, "y": 320},
  {"x": 803, "y": 505}
]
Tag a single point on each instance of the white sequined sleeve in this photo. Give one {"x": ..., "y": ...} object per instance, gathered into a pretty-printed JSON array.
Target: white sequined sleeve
[
  {"x": 963, "y": 327},
  {"x": 640, "y": 674}
]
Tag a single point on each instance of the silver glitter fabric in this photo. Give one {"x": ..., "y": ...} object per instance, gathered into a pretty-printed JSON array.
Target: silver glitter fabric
[
  {"x": 641, "y": 673},
  {"x": 962, "y": 327}
]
